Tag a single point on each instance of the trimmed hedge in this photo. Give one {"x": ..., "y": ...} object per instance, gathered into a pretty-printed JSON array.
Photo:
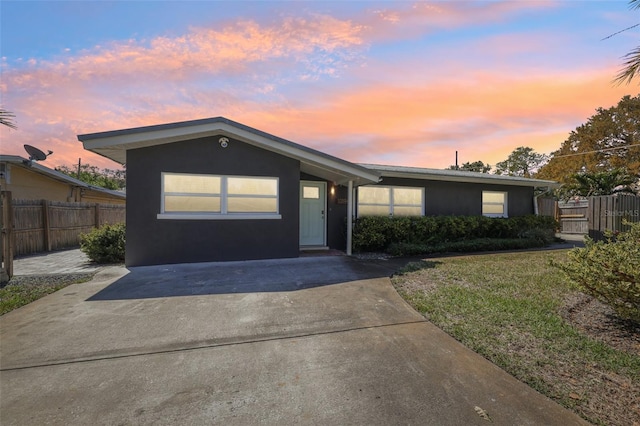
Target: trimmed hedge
[
  {"x": 381, "y": 233},
  {"x": 481, "y": 244}
]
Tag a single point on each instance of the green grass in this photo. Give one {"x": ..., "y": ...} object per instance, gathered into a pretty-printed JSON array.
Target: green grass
[
  {"x": 507, "y": 307},
  {"x": 23, "y": 290}
]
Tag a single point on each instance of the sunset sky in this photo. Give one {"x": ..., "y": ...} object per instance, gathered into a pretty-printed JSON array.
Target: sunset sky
[{"x": 397, "y": 83}]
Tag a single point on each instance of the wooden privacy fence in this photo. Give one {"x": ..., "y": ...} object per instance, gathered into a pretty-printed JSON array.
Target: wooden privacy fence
[
  {"x": 608, "y": 212},
  {"x": 548, "y": 207},
  {"x": 41, "y": 225},
  {"x": 593, "y": 215}
]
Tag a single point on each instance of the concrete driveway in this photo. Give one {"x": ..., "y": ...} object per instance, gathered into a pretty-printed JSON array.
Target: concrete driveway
[{"x": 320, "y": 340}]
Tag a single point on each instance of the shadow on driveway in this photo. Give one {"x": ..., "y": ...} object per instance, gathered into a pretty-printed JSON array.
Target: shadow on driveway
[
  {"x": 258, "y": 276},
  {"x": 261, "y": 276}
]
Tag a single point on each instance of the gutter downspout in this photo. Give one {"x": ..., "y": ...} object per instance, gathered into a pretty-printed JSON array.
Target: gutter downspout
[
  {"x": 349, "y": 217},
  {"x": 535, "y": 202}
]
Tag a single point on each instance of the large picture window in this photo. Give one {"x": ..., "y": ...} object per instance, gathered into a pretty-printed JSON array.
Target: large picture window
[
  {"x": 377, "y": 200},
  {"x": 494, "y": 204},
  {"x": 195, "y": 196}
]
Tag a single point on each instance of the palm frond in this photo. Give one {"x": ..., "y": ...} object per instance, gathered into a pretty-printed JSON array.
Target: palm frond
[
  {"x": 631, "y": 68},
  {"x": 6, "y": 119}
]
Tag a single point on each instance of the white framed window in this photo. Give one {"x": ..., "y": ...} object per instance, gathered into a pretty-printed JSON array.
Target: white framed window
[
  {"x": 199, "y": 196},
  {"x": 375, "y": 200},
  {"x": 494, "y": 204}
]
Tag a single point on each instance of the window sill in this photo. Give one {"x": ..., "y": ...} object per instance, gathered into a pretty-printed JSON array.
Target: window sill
[{"x": 209, "y": 216}]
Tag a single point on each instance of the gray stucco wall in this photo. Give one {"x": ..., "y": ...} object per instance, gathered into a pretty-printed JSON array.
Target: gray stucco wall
[
  {"x": 458, "y": 198},
  {"x": 158, "y": 241},
  {"x": 337, "y": 219}
]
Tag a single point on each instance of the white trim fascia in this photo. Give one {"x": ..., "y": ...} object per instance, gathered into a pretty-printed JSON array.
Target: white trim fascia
[
  {"x": 480, "y": 179},
  {"x": 152, "y": 137}
]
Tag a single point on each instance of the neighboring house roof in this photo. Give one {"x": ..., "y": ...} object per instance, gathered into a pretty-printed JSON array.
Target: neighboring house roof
[
  {"x": 56, "y": 175},
  {"x": 114, "y": 145},
  {"x": 457, "y": 176}
]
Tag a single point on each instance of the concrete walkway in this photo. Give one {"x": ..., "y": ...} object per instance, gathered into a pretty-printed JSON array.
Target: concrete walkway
[
  {"x": 75, "y": 261},
  {"x": 242, "y": 343},
  {"x": 55, "y": 262}
]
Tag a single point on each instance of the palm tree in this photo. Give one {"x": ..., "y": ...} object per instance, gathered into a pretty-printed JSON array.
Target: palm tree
[
  {"x": 6, "y": 119},
  {"x": 632, "y": 59},
  {"x": 600, "y": 183}
]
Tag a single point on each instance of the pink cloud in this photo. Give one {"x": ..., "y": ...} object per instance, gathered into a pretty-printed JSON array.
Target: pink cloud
[
  {"x": 408, "y": 20},
  {"x": 226, "y": 51},
  {"x": 485, "y": 118},
  {"x": 131, "y": 83},
  {"x": 417, "y": 112}
]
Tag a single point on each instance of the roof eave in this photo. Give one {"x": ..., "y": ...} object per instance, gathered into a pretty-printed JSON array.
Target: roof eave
[
  {"x": 483, "y": 178},
  {"x": 114, "y": 145}
]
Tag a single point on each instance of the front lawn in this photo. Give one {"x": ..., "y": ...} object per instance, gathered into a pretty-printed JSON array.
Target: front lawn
[{"x": 520, "y": 313}]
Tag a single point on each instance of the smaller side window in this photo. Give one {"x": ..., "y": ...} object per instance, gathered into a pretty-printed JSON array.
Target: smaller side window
[{"x": 494, "y": 204}]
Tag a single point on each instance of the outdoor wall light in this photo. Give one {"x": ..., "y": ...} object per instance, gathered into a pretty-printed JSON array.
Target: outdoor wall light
[
  {"x": 333, "y": 190},
  {"x": 224, "y": 142}
]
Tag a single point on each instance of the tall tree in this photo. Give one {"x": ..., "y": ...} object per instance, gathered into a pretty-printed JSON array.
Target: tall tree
[
  {"x": 104, "y": 178},
  {"x": 523, "y": 161},
  {"x": 631, "y": 64},
  {"x": 476, "y": 166},
  {"x": 6, "y": 119},
  {"x": 610, "y": 139}
]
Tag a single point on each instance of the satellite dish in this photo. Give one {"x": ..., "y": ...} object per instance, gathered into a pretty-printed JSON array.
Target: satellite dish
[{"x": 36, "y": 154}]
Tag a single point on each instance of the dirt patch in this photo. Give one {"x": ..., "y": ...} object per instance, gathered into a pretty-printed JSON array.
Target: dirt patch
[
  {"x": 611, "y": 397},
  {"x": 598, "y": 321}
]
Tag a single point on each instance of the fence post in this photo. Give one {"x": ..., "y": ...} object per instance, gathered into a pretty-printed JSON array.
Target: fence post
[
  {"x": 7, "y": 242},
  {"x": 97, "y": 215},
  {"x": 4, "y": 277},
  {"x": 46, "y": 224}
]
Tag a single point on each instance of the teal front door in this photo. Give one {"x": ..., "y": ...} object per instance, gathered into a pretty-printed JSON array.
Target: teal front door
[{"x": 313, "y": 202}]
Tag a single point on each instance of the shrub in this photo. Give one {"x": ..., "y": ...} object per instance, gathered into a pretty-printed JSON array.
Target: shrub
[
  {"x": 369, "y": 234},
  {"x": 609, "y": 271},
  {"x": 378, "y": 233},
  {"x": 105, "y": 244},
  {"x": 481, "y": 244},
  {"x": 543, "y": 236}
]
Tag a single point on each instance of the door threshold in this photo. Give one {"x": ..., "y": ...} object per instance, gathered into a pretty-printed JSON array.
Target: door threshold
[
  {"x": 317, "y": 251},
  {"x": 314, "y": 248}
]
